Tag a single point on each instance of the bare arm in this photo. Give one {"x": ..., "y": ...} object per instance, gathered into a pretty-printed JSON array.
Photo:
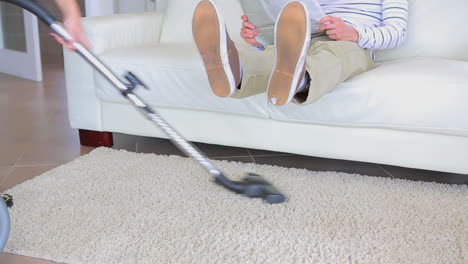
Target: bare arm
[{"x": 72, "y": 21}]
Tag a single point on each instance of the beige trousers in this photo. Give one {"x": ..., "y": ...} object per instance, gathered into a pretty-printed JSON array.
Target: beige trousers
[{"x": 328, "y": 63}]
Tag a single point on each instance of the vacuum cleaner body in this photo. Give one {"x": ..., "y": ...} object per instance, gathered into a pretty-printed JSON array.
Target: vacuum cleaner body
[{"x": 5, "y": 202}]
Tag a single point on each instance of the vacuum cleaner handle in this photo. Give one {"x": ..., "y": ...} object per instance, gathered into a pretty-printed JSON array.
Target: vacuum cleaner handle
[
  {"x": 252, "y": 186},
  {"x": 35, "y": 9}
]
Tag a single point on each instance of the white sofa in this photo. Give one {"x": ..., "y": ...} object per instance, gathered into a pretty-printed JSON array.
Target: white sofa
[{"x": 410, "y": 111}]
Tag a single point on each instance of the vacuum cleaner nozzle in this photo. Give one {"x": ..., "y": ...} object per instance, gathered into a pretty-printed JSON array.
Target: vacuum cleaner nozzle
[
  {"x": 253, "y": 186},
  {"x": 8, "y": 199}
]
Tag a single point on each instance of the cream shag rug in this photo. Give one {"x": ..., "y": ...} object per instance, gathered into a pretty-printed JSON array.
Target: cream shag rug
[{"x": 119, "y": 207}]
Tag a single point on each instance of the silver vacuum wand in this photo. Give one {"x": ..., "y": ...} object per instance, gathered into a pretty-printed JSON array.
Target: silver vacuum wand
[{"x": 252, "y": 186}]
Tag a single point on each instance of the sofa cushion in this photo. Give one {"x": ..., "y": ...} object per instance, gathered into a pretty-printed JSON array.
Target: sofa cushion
[
  {"x": 424, "y": 94},
  {"x": 435, "y": 28},
  {"x": 175, "y": 77},
  {"x": 178, "y": 22}
]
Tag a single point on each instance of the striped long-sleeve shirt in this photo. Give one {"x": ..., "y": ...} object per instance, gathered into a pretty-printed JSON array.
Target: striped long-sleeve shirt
[{"x": 381, "y": 24}]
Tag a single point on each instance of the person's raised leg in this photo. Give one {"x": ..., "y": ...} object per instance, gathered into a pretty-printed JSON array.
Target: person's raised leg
[
  {"x": 256, "y": 67},
  {"x": 292, "y": 40},
  {"x": 329, "y": 63},
  {"x": 217, "y": 50}
]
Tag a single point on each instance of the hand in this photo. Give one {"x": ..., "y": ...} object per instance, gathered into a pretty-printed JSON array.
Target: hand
[
  {"x": 248, "y": 33},
  {"x": 336, "y": 29},
  {"x": 74, "y": 27}
]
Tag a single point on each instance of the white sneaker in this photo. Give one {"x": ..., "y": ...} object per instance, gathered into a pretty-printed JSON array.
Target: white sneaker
[
  {"x": 217, "y": 50},
  {"x": 292, "y": 41}
]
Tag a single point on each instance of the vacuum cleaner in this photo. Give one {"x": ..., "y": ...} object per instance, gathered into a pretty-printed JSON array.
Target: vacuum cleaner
[
  {"x": 5, "y": 202},
  {"x": 253, "y": 185}
]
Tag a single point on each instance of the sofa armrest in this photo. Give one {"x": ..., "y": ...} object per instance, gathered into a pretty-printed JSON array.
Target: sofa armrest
[
  {"x": 104, "y": 33},
  {"x": 123, "y": 30},
  {"x": 84, "y": 107}
]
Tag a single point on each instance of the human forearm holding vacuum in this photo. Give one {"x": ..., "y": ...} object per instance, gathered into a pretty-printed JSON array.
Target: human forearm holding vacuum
[{"x": 72, "y": 22}]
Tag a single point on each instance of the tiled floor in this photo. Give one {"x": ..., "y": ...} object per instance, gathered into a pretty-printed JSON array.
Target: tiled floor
[{"x": 35, "y": 137}]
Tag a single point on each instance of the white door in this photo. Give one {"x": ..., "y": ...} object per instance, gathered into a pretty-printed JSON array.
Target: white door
[{"x": 19, "y": 43}]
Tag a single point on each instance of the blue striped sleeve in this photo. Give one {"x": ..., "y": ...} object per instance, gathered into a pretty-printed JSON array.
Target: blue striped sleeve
[{"x": 392, "y": 32}]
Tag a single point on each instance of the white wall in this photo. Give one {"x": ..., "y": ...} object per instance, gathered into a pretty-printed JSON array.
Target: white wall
[
  {"x": 100, "y": 7},
  {"x": 107, "y": 7},
  {"x": 161, "y": 4},
  {"x": 135, "y": 6}
]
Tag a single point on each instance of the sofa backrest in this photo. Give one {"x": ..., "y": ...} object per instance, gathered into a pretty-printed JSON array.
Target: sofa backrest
[
  {"x": 178, "y": 22},
  {"x": 436, "y": 28}
]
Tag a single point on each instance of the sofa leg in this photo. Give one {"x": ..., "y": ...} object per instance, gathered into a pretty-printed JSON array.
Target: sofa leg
[{"x": 95, "y": 138}]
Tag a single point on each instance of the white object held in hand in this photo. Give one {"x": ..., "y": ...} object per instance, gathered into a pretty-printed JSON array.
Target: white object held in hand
[{"x": 263, "y": 14}]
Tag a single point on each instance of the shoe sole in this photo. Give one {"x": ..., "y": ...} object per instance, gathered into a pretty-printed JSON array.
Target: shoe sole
[
  {"x": 291, "y": 45},
  {"x": 209, "y": 35}
]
